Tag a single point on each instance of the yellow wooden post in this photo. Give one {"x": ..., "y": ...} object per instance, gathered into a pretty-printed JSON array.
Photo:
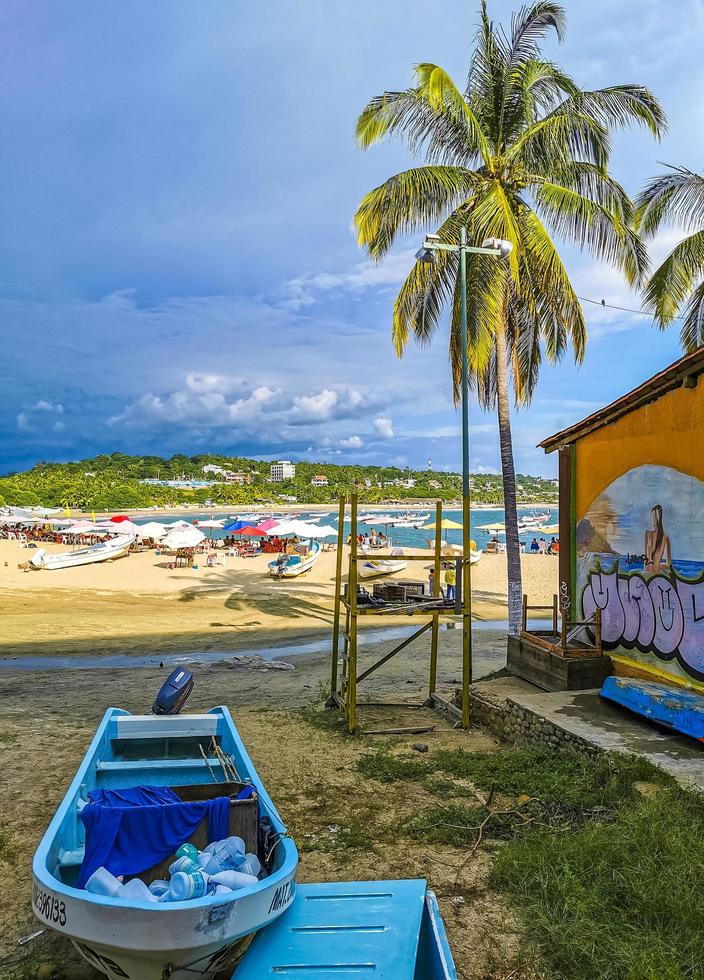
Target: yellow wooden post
[
  {"x": 352, "y": 599},
  {"x": 338, "y": 590},
  {"x": 436, "y": 592}
]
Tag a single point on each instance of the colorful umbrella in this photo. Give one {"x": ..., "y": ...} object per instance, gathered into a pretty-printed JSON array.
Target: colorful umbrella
[
  {"x": 446, "y": 525},
  {"x": 248, "y": 531}
]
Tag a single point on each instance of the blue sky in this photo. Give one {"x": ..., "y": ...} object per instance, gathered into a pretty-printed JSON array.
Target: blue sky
[{"x": 177, "y": 269}]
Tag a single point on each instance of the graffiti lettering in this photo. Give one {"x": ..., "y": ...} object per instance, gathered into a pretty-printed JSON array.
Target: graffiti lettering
[{"x": 661, "y": 614}]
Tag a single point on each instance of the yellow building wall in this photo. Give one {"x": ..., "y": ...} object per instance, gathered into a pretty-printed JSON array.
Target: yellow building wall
[{"x": 668, "y": 433}]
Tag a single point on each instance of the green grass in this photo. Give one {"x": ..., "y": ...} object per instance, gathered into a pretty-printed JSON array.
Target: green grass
[
  {"x": 554, "y": 776},
  {"x": 606, "y": 880},
  {"x": 618, "y": 901}
]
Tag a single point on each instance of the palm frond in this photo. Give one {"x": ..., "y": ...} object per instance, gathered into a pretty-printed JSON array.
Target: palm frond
[
  {"x": 692, "y": 332},
  {"x": 676, "y": 197},
  {"x": 530, "y": 25},
  {"x": 620, "y": 106},
  {"x": 593, "y": 182},
  {"x": 588, "y": 225},
  {"x": 407, "y": 114},
  {"x": 409, "y": 202},
  {"x": 673, "y": 281},
  {"x": 559, "y": 139},
  {"x": 443, "y": 96}
]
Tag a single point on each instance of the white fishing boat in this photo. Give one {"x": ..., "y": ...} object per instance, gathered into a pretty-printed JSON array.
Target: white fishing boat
[
  {"x": 377, "y": 567},
  {"x": 291, "y": 566},
  {"x": 103, "y": 551},
  {"x": 129, "y": 939}
]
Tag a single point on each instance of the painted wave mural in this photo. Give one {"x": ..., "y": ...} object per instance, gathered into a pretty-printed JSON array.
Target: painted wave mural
[{"x": 640, "y": 549}]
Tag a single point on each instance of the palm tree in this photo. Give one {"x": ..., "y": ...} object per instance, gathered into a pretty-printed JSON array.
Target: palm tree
[
  {"x": 522, "y": 153},
  {"x": 676, "y": 197}
]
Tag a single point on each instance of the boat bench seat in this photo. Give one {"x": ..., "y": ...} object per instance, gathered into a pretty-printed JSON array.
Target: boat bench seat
[
  {"x": 156, "y": 765},
  {"x": 356, "y": 928},
  {"x": 166, "y": 726}
]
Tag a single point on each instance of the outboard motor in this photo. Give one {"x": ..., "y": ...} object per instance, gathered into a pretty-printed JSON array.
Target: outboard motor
[{"x": 174, "y": 692}]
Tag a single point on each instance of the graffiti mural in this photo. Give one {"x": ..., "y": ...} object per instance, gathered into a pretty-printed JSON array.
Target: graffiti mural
[{"x": 641, "y": 562}]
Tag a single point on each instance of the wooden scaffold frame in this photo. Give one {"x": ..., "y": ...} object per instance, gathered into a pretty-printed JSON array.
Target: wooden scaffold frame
[{"x": 344, "y": 677}]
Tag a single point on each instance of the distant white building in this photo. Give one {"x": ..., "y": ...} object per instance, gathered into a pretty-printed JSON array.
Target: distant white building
[
  {"x": 230, "y": 476},
  {"x": 408, "y": 483},
  {"x": 319, "y": 480},
  {"x": 282, "y": 470}
]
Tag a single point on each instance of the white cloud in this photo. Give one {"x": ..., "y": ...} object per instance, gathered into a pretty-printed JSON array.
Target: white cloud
[
  {"x": 44, "y": 406},
  {"x": 383, "y": 427},
  {"x": 28, "y": 420},
  {"x": 354, "y": 442},
  {"x": 301, "y": 292}
]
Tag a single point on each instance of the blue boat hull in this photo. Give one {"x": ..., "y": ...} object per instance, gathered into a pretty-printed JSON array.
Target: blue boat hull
[
  {"x": 676, "y": 708},
  {"x": 141, "y": 940}
]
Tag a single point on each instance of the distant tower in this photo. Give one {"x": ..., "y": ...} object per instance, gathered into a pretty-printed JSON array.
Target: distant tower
[{"x": 430, "y": 464}]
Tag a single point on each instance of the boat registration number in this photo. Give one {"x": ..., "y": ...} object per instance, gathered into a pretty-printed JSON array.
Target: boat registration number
[{"x": 48, "y": 906}]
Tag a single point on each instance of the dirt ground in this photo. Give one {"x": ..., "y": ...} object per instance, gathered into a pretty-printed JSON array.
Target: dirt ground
[{"x": 346, "y": 825}]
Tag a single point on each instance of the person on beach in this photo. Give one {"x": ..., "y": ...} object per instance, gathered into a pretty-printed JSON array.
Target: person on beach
[
  {"x": 450, "y": 581},
  {"x": 534, "y": 547},
  {"x": 657, "y": 543},
  {"x": 542, "y": 546},
  {"x": 431, "y": 581}
]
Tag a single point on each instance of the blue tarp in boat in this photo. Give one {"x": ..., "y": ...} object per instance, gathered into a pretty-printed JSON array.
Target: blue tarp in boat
[{"x": 130, "y": 830}]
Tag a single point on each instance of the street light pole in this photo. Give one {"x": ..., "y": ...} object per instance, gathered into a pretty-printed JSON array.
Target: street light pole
[
  {"x": 466, "y": 509},
  {"x": 499, "y": 249}
]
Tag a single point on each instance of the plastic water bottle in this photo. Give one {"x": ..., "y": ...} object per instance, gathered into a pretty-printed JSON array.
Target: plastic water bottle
[
  {"x": 184, "y": 863},
  {"x": 159, "y": 887},
  {"x": 136, "y": 891},
  {"x": 189, "y": 851},
  {"x": 234, "y": 879},
  {"x": 186, "y": 885},
  {"x": 101, "y": 882},
  {"x": 251, "y": 865},
  {"x": 224, "y": 855}
]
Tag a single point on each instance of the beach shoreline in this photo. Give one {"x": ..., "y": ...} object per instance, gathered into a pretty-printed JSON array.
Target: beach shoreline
[{"x": 138, "y": 603}]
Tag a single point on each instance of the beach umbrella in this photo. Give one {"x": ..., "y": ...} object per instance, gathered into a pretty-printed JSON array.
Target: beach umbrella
[
  {"x": 249, "y": 531},
  {"x": 152, "y": 530},
  {"x": 236, "y": 526},
  {"x": 493, "y": 528},
  {"x": 208, "y": 523},
  {"x": 299, "y": 528},
  {"x": 183, "y": 537},
  {"x": 324, "y": 531},
  {"x": 270, "y": 524},
  {"x": 178, "y": 524},
  {"x": 446, "y": 525},
  {"x": 125, "y": 526},
  {"x": 118, "y": 518}
]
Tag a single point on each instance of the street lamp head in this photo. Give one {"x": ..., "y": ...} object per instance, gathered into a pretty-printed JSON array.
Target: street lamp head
[
  {"x": 505, "y": 248},
  {"x": 424, "y": 254}
]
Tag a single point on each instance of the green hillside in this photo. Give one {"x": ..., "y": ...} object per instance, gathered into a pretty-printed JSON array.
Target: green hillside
[{"x": 116, "y": 481}]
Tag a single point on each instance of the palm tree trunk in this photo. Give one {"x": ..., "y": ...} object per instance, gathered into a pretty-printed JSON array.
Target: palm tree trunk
[{"x": 513, "y": 552}]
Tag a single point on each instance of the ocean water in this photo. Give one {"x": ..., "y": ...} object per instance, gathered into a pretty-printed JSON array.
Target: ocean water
[{"x": 402, "y": 537}]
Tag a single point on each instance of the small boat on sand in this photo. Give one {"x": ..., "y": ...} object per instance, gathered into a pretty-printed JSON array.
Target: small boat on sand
[
  {"x": 291, "y": 566},
  {"x": 376, "y": 567},
  {"x": 103, "y": 551},
  {"x": 142, "y": 940}
]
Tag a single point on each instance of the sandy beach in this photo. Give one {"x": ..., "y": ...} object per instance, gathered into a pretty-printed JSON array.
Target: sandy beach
[
  {"x": 345, "y": 825},
  {"x": 138, "y": 602}
]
